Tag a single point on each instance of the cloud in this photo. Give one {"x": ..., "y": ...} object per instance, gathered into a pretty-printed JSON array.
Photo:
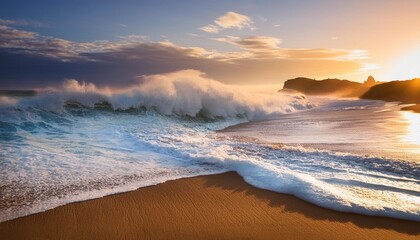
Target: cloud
[
  {"x": 22, "y": 22},
  {"x": 33, "y": 43},
  {"x": 266, "y": 47},
  {"x": 64, "y": 50},
  {"x": 326, "y": 53},
  {"x": 229, "y": 20},
  {"x": 134, "y": 38},
  {"x": 259, "y": 42},
  {"x": 8, "y": 33},
  {"x": 277, "y": 25},
  {"x": 259, "y": 59},
  {"x": 257, "y": 46},
  {"x": 210, "y": 28},
  {"x": 234, "y": 20}
]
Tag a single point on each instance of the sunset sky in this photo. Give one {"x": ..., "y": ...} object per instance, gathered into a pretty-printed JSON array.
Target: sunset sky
[{"x": 113, "y": 43}]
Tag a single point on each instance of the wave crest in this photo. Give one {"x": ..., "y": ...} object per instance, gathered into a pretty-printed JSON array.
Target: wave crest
[{"x": 186, "y": 93}]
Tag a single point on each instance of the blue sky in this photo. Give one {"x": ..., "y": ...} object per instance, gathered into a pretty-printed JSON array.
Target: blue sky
[{"x": 323, "y": 38}]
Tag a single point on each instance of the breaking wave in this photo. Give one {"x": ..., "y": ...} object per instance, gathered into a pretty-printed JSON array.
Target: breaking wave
[{"x": 185, "y": 93}]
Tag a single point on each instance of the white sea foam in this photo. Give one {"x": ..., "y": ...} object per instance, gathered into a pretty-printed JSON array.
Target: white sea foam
[{"x": 51, "y": 155}]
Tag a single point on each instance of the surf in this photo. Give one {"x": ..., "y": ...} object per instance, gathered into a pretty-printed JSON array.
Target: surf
[{"x": 78, "y": 142}]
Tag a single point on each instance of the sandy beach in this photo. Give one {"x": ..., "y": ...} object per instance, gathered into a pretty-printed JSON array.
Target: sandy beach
[
  {"x": 210, "y": 120},
  {"x": 219, "y": 206}
]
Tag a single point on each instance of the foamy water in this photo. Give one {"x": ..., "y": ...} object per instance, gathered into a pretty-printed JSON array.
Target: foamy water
[{"x": 58, "y": 148}]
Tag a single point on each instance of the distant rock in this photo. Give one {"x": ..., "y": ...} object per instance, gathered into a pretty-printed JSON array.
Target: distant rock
[
  {"x": 402, "y": 91},
  {"x": 396, "y": 91},
  {"x": 330, "y": 87},
  {"x": 370, "y": 81}
]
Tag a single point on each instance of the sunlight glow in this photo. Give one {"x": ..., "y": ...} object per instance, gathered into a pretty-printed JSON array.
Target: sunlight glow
[
  {"x": 413, "y": 129},
  {"x": 407, "y": 67}
]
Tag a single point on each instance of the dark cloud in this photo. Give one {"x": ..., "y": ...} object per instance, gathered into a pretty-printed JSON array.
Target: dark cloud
[{"x": 115, "y": 68}]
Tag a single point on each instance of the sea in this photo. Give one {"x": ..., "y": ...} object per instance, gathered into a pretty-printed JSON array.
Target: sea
[{"x": 75, "y": 143}]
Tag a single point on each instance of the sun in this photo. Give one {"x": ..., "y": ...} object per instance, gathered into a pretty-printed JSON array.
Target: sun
[{"x": 406, "y": 67}]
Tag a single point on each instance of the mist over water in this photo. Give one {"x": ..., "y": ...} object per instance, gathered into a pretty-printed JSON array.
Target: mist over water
[{"x": 79, "y": 142}]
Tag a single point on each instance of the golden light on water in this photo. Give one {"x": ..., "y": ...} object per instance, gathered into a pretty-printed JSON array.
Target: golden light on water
[{"x": 413, "y": 128}]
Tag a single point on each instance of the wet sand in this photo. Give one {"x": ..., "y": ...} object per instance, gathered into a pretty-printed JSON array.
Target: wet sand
[{"x": 219, "y": 206}]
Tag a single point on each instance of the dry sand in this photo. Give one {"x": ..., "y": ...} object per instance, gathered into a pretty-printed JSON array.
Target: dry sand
[{"x": 219, "y": 206}]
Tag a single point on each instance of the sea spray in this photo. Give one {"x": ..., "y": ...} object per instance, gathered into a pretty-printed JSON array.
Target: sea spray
[{"x": 185, "y": 93}]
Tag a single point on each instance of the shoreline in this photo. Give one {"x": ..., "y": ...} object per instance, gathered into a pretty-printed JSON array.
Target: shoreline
[{"x": 215, "y": 206}]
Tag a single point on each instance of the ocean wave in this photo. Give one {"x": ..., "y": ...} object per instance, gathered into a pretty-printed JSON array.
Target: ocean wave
[
  {"x": 185, "y": 93},
  {"x": 78, "y": 142}
]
